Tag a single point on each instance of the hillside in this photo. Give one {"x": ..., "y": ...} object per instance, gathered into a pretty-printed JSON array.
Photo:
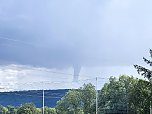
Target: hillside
[{"x": 35, "y": 96}]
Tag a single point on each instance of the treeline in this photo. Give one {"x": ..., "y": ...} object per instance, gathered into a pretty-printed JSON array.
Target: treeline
[
  {"x": 27, "y": 108},
  {"x": 123, "y": 95}
]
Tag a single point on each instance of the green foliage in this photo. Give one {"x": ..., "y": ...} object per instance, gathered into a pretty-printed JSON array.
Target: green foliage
[
  {"x": 48, "y": 110},
  {"x": 70, "y": 103},
  {"x": 78, "y": 101},
  {"x": 88, "y": 95},
  {"x": 146, "y": 91},
  {"x": 140, "y": 98},
  {"x": 125, "y": 95},
  {"x": 3, "y": 110},
  {"x": 11, "y": 110},
  {"x": 27, "y": 108},
  {"x": 144, "y": 71},
  {"x": 114, "y": 95}
]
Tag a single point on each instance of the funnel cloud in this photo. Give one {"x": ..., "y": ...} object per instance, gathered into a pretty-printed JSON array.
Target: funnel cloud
[
  {"x": 77, "y": 69},
  {"x": 62, "y": 34}
]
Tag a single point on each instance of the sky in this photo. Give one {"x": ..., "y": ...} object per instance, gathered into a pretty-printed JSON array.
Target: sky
[{"x": 53, "y": 40}]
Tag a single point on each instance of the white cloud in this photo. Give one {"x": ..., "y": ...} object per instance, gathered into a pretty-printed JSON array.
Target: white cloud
[{"x": 19, "y": 77}]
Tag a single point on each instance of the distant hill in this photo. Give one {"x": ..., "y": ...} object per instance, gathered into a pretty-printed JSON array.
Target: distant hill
[{"x": 35, "y": 96}]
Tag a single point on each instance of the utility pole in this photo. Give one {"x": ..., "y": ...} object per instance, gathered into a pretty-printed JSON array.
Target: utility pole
[
  {"x": 96, "y": 95},
  {"x": 127, "y": 98},
  {"x": 150, "y": 108},
  {"x": 150, "y": 95},
  {"x": 43, "y": 101}
]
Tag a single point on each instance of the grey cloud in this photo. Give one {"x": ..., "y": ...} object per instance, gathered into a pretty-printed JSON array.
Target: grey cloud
[{"x": 66, "y": 33}]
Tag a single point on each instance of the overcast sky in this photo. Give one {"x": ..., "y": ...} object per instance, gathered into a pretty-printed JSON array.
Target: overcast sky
[{"x": 102, "y": 37}]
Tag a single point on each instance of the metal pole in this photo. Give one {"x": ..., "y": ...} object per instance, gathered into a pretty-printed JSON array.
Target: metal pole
[
  {"x": 150, "y": 108},
  {"x": 127, "y": 98},
  {"x": 43, "y": 101},
  {"x": 150, "y": 98},
  {"x": 96, "y": 96}
]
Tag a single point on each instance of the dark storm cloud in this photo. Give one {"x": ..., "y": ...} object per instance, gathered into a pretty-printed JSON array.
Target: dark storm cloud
[{"x": 67, "y": 33}]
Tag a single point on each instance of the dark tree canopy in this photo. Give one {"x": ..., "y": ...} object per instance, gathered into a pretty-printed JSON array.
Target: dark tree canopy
[{"x": 144, "y": 71}]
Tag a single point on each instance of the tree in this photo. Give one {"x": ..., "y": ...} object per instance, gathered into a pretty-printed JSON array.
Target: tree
[
  {"x": 11, "y": 110},
  {"x": 145, "y": 71},
  {"x": 52, "y": 111},
  {"x": 114, "y": 96},
  {"x": 48, "y": 110},
  {"x": 125, "y": 95},
  {"x": 3, "y": 110},
  {"x": 70, "y": 103},
  {"x": 78, "y": 101},
  {"x": 88, "y": 96},
  {"x": 27, "y": 108},
  {"x": 140, "y": 97}
]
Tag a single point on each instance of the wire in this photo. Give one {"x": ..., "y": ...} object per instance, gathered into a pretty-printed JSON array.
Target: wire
[
  {"x": 22, "y": 42},
  {"x": 50, "y": 82},
  {"x": 14, "y": 40},
  {"x": 62, "y": 73}
]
